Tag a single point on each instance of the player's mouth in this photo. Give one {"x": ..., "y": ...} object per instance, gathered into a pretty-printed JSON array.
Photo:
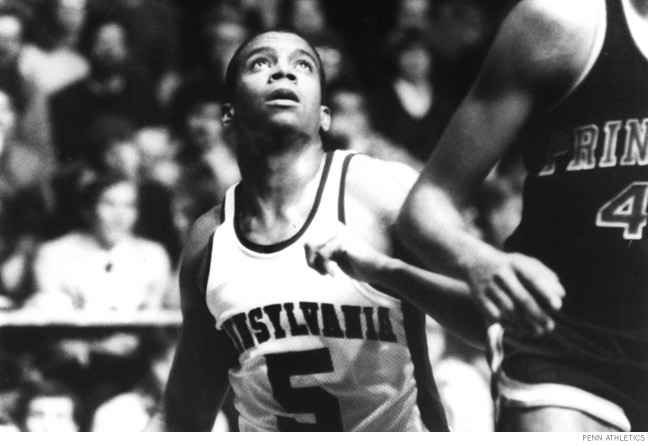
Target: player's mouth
[{"x": 282, "y": 96}]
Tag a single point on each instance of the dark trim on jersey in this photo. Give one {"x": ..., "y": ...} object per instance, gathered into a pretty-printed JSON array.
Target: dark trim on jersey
[
  {"x": 427, "y": 395},
  {"x": 276, "y": 247},
  {"x": 222, "y": 210},
  {"x": 341, "y": 194},
  {"x": 205, "y": 280}
]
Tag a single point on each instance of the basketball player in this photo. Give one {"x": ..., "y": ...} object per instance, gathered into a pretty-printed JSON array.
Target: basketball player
[
  {"x": 302, "y": 351},
  {"x": 567, "y": 81}
]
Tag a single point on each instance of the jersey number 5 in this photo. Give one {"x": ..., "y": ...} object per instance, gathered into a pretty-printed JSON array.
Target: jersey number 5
[
  {"x": 303, "y": 400},
  {"x": 627, "y": 210}
]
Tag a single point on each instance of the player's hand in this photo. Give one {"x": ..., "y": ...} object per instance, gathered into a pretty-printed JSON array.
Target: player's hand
[
  {"x": 517, "y": 291},
  {"x": 349, "y": 252}
]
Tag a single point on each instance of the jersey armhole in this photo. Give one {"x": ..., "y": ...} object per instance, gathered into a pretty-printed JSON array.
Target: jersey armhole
[{"x": 342, "y": 188}]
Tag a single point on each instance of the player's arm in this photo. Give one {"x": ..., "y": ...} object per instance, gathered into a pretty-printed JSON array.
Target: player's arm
[
  {"x": 537, "y": 57},
  {"x": 446, "y": 299},
  {"x": 365, "y": 248},
  {"x": 198, "y": 382}
]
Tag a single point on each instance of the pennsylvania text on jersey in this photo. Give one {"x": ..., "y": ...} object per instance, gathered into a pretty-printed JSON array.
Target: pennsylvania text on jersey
[{"x": 309, "y": 318}]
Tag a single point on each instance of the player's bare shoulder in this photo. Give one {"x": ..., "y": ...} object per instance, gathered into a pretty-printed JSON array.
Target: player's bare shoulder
[
  {"x": 547, "y": 45},
  {"x": 381, "y": 185},
  {"x": 197, "y": 248}
]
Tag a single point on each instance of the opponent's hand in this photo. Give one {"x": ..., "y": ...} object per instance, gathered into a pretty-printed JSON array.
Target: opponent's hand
[
  {"x": 349, "y": 252},
  {"x": 518, "y": 291}
]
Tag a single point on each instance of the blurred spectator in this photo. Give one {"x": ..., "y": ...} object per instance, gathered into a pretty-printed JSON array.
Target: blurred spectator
[
  {"x": 306, "y": 17},
  {"x": 29, "y": 99},
  {"x": 54, "y": 60},
  {"x": 207, "y": 162},
  {"x": 130, "y": 411},
  {"x": 153, "y": 35},
  {"x": 223, "y": 31},
  {"x": 338, "y": 65},
  {"x": 409, "y": 109},
  {"x": 414, "y": 14},
  {"x": 262, "y": 15},
  {"x": 24, "y": 202},
  {"x": 462, "y": 31},
  {"x": 102, "y": 266},
  {"x": 112, "y": 89},
  {"x": 351, "y": 128},
  {"x": 158, "y": 149},
  {"x": 47, "y": 406}
]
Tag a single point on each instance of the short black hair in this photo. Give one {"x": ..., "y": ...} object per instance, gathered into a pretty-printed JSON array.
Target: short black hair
[{"x": 233, "y": 67}]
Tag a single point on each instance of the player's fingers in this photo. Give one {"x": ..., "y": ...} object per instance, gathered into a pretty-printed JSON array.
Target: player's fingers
[
  {"x": 530, "y": 316},
  {"x": 492, "y": 313},
  {"x": 314, "y": 260},
  {"x": 497, "y": 298},
  {"x": 541, "y": 281}
]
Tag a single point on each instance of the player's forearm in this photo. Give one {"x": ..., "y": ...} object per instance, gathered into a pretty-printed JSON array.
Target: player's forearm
[
  {"x": 431, "y": 228},
  {"x": 446, "y": 299}
]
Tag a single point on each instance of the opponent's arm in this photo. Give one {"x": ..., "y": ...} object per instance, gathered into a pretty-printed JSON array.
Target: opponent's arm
[
  {"x": 198, "y": 382},
  {"x": 538, "y": 55}
]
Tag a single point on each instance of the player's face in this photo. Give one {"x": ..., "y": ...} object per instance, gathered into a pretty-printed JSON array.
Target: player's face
[{"x": 278, "y": 86}]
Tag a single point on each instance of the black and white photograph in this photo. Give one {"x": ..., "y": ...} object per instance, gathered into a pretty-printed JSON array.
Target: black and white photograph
[{"x": 421, "y": 216}]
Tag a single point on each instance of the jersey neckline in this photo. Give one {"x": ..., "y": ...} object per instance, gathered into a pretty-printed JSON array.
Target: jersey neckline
[{"x": 276, "y": 247}]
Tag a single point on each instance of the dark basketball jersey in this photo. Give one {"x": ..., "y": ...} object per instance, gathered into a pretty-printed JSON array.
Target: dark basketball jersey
[{"x": 585, "y": 214}]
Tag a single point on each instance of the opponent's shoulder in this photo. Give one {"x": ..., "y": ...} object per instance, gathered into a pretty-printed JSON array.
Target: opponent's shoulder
[{"x": 546, "y": 44}]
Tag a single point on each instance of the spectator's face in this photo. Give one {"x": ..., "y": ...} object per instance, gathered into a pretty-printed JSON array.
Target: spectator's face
[
  {"x": 222, "y": 41},
  {"x": 50, "y": 414},
  {"x": 278, "y": 86},
  {"x": 7, "y": 115},
  {"x": 413, "y": 10},
  {"x": 110, "y": 51},
  {"x": 333, "y": 62},
  {"x": 11, "y": 31},
  {"x": 308, "y": 16},
  {"x": 71, "y": 14},
  {"x": 116, "y": 213},
  {"x": 124, "y": 157},
  {"x": 348, "y": 115},
  {"x": 204, "y": 124},
  {"x": 415, "y": 63}
]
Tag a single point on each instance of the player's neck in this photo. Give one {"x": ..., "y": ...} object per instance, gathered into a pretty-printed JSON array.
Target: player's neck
[
  {"x": 275, "y": 178},
  {"x": 278, "y": 193}
]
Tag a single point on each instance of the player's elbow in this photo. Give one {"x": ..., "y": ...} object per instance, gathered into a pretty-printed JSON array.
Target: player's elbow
[{"x": 414, "y": 217}]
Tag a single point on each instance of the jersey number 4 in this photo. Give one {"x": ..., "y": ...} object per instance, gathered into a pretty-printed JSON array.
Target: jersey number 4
[
  {"x": 627, "y": 210},
  {"x": 303, "y": 400}
]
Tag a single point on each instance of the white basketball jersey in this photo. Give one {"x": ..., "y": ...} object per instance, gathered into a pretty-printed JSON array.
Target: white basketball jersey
[{"x": 316, "y": 353}]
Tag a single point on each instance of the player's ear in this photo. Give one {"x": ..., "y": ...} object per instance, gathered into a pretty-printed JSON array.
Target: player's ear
[
  {"x": 325, "y": 118},
  {"x": 227, "y": 114}
]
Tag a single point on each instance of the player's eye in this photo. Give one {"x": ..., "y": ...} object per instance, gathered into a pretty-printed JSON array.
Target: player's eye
[
  {"x": 305, "y": 65},
  {"x": 259, "y": 63}
]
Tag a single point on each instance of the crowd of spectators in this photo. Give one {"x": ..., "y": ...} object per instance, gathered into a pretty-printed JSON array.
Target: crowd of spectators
[{"x": 111, "y": 145}]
